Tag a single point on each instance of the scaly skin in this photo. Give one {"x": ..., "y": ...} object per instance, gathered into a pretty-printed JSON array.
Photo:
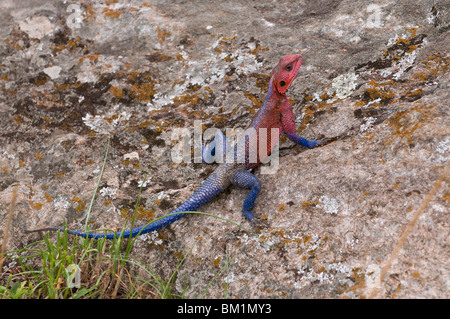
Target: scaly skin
[{"x": 276, "y": 112}]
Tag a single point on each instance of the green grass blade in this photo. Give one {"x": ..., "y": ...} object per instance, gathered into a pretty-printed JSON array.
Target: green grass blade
[{"x": 86, "y": 229}]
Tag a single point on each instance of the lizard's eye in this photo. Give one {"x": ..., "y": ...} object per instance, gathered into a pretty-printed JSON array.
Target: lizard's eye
[
  {"x": 289, "y": 67},
  {"x": 282, "y": 83}
]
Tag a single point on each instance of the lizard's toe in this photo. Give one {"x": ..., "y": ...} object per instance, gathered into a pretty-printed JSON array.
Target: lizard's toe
[
  {"x": 248, "y": 215},
  {"x": 320, "y": 142},
  {"x": 314, "y": 143}
]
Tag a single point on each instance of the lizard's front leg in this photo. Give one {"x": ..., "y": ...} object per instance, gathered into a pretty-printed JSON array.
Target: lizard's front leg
[
  {"x": 288, "y": 124},
  {"x": 245, "y": 179},
  {"x": 302, "y": 141}
]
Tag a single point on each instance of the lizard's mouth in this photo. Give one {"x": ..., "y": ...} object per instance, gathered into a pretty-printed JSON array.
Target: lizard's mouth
[{"x": 298, "y": 63}]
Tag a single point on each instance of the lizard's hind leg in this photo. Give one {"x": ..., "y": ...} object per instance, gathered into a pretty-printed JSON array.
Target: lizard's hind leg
[{"x": 245, "y": 179}]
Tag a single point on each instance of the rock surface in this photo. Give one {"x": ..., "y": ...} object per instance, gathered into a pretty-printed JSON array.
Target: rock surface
[{"x": 359, "y": 217}]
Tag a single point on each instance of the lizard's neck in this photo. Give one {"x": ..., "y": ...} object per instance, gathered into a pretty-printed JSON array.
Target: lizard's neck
[
  {"x": 273, "y": 94},
  {"x": 272, "y": 99}
]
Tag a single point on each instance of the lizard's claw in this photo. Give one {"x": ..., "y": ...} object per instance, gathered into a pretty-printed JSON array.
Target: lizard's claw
[{"x": 248, "y": 215}]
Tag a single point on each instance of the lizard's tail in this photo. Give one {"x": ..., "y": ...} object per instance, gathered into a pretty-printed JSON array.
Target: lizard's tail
[{"x": 207, "y": 191}]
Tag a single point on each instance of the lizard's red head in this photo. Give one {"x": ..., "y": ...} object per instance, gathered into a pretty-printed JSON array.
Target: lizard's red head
[{"x": 286, "y": 71}]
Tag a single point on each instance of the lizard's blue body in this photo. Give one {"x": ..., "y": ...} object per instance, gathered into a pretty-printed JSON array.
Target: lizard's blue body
[{"x": 276, "y": 112}]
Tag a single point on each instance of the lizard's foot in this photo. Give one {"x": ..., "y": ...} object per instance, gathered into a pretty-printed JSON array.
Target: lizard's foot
[
  {"x": 248, "y": 215},
  {"x": 320, "y": 142},
  {"x": 312, "y": 144}
]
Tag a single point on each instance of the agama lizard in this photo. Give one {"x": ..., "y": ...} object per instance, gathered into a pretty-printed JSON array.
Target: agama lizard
[{"x": 275, "y": 113}]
